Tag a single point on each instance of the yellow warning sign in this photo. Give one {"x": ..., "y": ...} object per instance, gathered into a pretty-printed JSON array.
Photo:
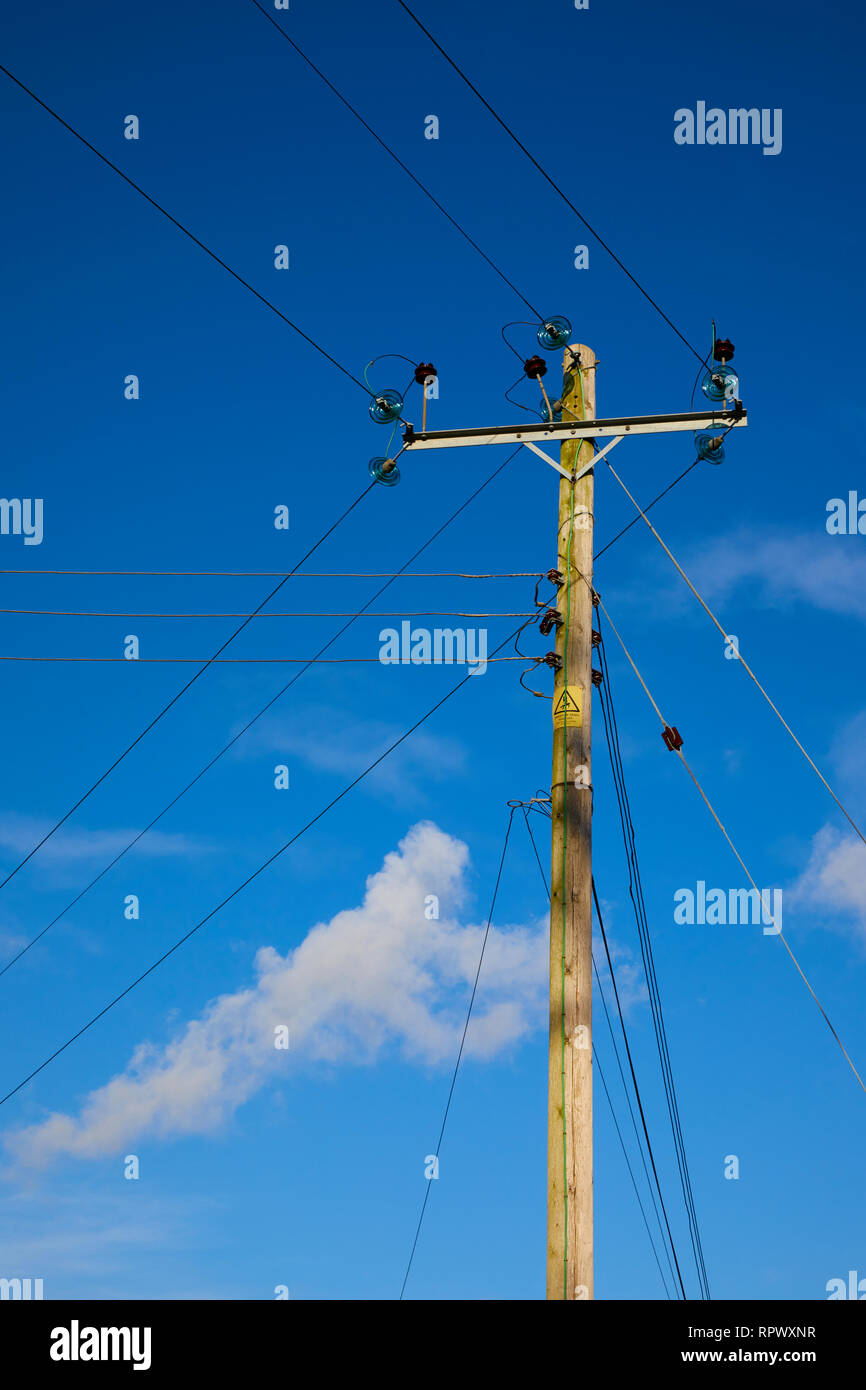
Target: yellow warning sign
[{"x": 568, "y": 708}]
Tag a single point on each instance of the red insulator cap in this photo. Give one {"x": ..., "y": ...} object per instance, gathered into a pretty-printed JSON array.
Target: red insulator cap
[
  {"x": 423, "y": 371},
  {"x": 723, "y": 350},
  {"x": 535, "y": 367}
]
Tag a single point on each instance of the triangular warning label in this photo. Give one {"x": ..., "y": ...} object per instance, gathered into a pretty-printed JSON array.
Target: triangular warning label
[{"x": 567, "y": 706}]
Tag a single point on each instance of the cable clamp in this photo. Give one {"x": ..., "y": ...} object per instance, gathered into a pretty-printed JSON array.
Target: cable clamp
[
  {"x": 673, "y": 738},
  {"x": 552, "y": 618}
]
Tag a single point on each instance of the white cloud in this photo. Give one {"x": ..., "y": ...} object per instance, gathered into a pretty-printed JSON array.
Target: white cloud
[
  {"x": 788, "y": 568},
  {"x": 375, "y": 977},
  {"x": 834, "y": 879}
]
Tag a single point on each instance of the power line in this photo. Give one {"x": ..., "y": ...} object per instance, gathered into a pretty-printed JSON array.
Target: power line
[
  {"x": 256, "y": 717},
  {"x": 291, "y": 574},
  {"x": 250, "y": 878},
  {"x": 397, "y": 160},
  {"x": 180, "y": 226},
  {"x": 625, "y": 1090},
  {"x": 462, "y": 1045},
  {"x": 554, "y": 185},
  {"x": 636, "y": 895},
  {"x": 173, "y": 701},
  {"x": 235, "y": 661},
  {"x": 648, "y": 507},
  {"x": 397, "y": 613},
  {"x": 637, "y": 1092},
  {"x": 627, "y": 1160}
]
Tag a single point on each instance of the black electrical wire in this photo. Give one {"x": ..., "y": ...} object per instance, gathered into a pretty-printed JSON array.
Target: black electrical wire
[
  {"x": 248, "y": 880},
  {"x": 180, "y": 226},
  {"x": 173, "y": 701},
  {"x": 462, "y": 1045},
  {"x": 669, "y": 487},
  {"x": 637, "y": 1092},
  {"x": 638, "y": 900},
  {"x": 257, "y": 717},
  {"x": 669, "y": 1237},
  {"x": 639, "y": 905},
  {"x": 627, "y": 1162},
  {"x": 662, "y": 494},
  {"x": 555, "y": 186},
  {"x": 397, "y": 160}
]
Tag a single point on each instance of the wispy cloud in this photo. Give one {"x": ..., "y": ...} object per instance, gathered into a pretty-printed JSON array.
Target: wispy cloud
[
  {"x": 338, "y": 742},
  {"x": 18, "y": 835},
  {"x": 848, "y": 755},
  {"x": 783, "y": 569},
  {"x": 630, "y": 983},
  {"x": 379, "y": 977},
  {"x": 833, "y": 883}
]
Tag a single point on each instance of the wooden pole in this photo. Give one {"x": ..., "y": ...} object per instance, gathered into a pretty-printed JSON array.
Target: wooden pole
[{"x": 569, "y": 1134}]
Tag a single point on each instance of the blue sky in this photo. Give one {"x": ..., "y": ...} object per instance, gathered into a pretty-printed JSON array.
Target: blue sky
[{"x": 307, "y": 1169}]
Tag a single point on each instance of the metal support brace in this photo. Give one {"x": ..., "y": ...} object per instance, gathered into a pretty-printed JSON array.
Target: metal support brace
[{"x": 573, "y": 477}]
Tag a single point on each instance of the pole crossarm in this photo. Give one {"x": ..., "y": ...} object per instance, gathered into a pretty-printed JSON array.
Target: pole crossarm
[{"x": 562, "y": 431}]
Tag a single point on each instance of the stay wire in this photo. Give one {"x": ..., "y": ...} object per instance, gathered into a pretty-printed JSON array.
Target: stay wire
[
  {"x": 741, "y": 659},
  {"x": 737, "y": 854},
  {"x": 173, "y": 701},
  {"x": 239, "y": 735},
  {"x": 462, "y": 1045},
  {"x": 649, "y": 506},
  {"x": 555, "y": 186}
]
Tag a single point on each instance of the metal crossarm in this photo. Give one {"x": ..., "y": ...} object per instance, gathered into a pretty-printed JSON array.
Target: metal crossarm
[{"x": 576, "y": 429}]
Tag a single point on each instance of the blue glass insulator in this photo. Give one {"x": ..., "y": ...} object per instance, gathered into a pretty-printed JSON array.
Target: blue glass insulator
[
  {"x": 554, "y": 333},
  {"x": 380, "y": 474},
  {"x": 386, "y": 407},
  {"x": 555, "y": 406},
  {"x": 720, "y": 383},
  {"x": 709, "y": 447}
]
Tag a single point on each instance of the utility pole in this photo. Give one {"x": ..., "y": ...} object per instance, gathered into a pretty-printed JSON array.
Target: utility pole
[{"x": 569, "y": 1124}]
